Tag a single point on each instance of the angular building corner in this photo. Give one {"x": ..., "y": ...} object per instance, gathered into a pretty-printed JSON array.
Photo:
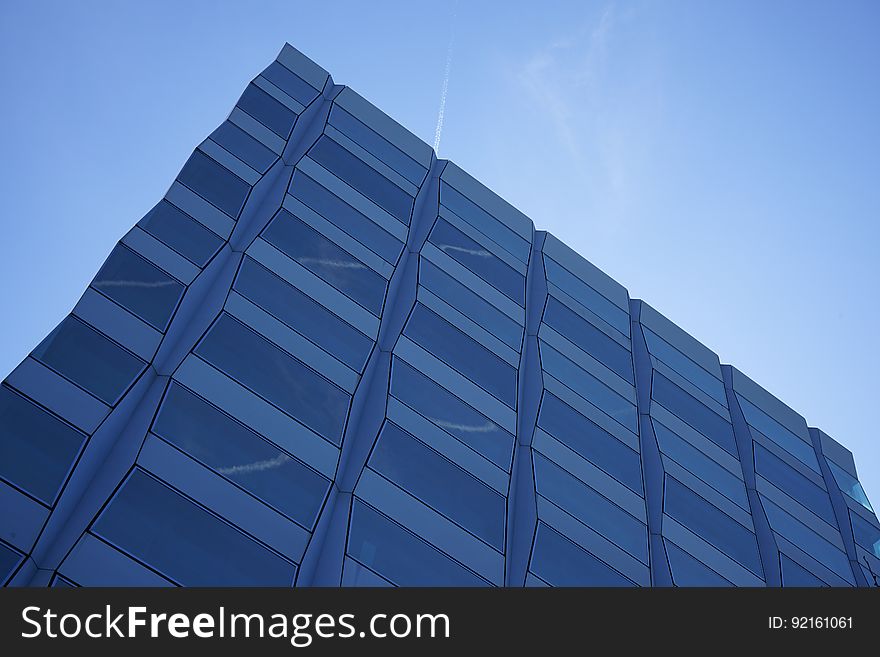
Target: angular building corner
[{"x": 328, "y": 358}]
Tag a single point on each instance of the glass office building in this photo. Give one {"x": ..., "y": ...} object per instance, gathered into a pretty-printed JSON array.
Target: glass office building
[{"x": 328, "y": 358}]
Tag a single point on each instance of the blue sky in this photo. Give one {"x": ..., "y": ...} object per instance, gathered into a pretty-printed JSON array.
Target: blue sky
[{"x": 721, "y": 160}]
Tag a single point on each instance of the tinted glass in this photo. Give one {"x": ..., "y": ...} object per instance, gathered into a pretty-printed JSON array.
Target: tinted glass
[
  {"x": 90, "y": 360},
  {"x": 711, "y": 524},
  {"x": 586, "y": 336},
  {"x": 560, "y": 562},
  {"x": 788, "y": 441},
  {"x": 277, "y": 376},
  {"x": 463, "y": 353},
  {"x": 215, "y": 183},
  {"x": 469, "y": 304},
  {"x": 866, "y": 534},
  {"x": 290, "y": 83},
  {"x": 268, "y": 111},
  {"x": 451, "y": 414},
  {"x": 580, "y": 291},
  {"x": 182, "y": 540},
  {"x": 793, "y": 483},
  {"x": 325, "y": 259},
  {"x": 9, "y": 559},
  {"x": 400, "y": 557},
  {"x": 36, "y": 448},
  {"x": 690, "y": 370},
  {"x": 850, "y": 485},
  {"x": 139, "y": 286},
  {"x": 793, "y": 574},
  {"x": 694, "y": 412},
  {"x": 363, "y": 178},
  {"x": 479, "y": 260},
  {"x": 688, "y": 571},
  {"x": 433, "y": 479},
  {"x": 343, "y": 216},
  {"x": 182, "y": 233},
  {"x": 591, "y": 441},
  {"x": 240, "y": 455},
  {"x": 243, "y": 146},
  {"x": 595, "y": 511},
  {"x": 818, "y": 547},
  {"x": 303, "y": 314}
]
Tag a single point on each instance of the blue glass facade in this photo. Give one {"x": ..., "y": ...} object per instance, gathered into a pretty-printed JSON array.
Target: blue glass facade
[{"x": 328, "y": 358}]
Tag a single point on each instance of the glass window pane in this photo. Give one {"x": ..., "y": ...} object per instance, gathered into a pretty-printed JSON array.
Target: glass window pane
[
  {"x": 60, "y": 582},
  {"x": 182, "y": 233},
  {"x": 470, "y": 304},
  {"x": 598, "y": 513},
  {"x": 689, "y": 571},
  {"x": 479, "y": 260},
  {"x": 788, "y": 441},
  {"x": 290, "y": 83},
  {"x": 711, "y": 524},
  {"x": 583, "y": 293},
  {"x": 794, "y": 484},
  {"x": 865, "y": 534},
  {"x": 587, "y": 337},
  {"x": 400, "y": 557},
  {"x": 793, "y": 574},
  {"x": 427, "y": 475},
  {"x": 696, "y": 462},
  {"x": 560, "y": 562},
  {"x": 589, "y": 387},
  {"x": 90, "y": 360},
  {"x": 195, "y": 548},
  {"x": 268, "y": 111},
  {"x": 215, "y": 183},
  {"x": 849, "y": 485},
  {"x": 451, "y": 414},
  {"x": 9, "y": 560},
  {"x": 690, "y": 370},
  {"x": 694, "y": 412},
  {"x": 139, "y": 286},
  {"x": 36, "y": 448},
  {"x": 244, "y": 147},
  {"x": 362, "y": 177},
  {"x": 345, "y": 217},
  {"x": 240, "y": 455},
  {"x": 303, "y": 314},
  {"x": 325, "y": 259},
  {"x": 591, "y": 441},
  {"x": 277, "y": 376},
  {"x": 463, "y": 353}
]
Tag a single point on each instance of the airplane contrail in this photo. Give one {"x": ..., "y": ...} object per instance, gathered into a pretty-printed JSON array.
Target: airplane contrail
[{"x": 445, "y": 89}]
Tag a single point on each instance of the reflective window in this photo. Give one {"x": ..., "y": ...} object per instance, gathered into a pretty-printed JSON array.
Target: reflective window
[
  {"x": 560, "y": 562},
  {"x": 589, "y": 387},
  {"x": 580, "y": 291},
  {"x": 60, "y": 582},
  {"x": 325, "y": 259},
  {"x": 274, "y": 115},
  {"x": 794, "y": 484},
  {"x": 793, "y": 574},
  {"x": 290, "y": 83},
  {"x": 463, "y": 353},
  {"x": 182, "y": 540},
  {"x": 90, "y": 360},
  {"x": 595, "y": 511},
  {"x": 451, "y": 414},
  {"x": 277, "y": 376},
  {"x": 806, "y": 539},
  {"x": 788, "y": 441},
  {"x": 591, "y": 441},
  {"x": 399, "y": 556},
  {"x": 36, "y": 448},
  {"x": 345, "y": 217},
  {"x": 865, "y": 534},
  {"x": 694, "y": 412},
  {"x": 378, "y": 146},
  {"x": 690, "y": 370},
  {"x": 427, "y": 475},
  {"x": 9, "y": 560},
  {"x": 849, "y": 485},
  {"x": 139, "y": 286},
  {"x": 243, "y": 146},
  {"x": 696, "y": 462},
  {"x": 479, "y": 260},
  {"x": 240, "y": 455},
  {"x": 215, "y": 183},
  {"x": 303, "y": 314},
  {"x": 362, "y": 177},
  {"x": 587, "y": 337},
  {"x": 689, "y": 571},
  {"x": 182, "y": 233},
  {"x": 469, "y": 304},
  {"x": 711, "y": 524}
]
